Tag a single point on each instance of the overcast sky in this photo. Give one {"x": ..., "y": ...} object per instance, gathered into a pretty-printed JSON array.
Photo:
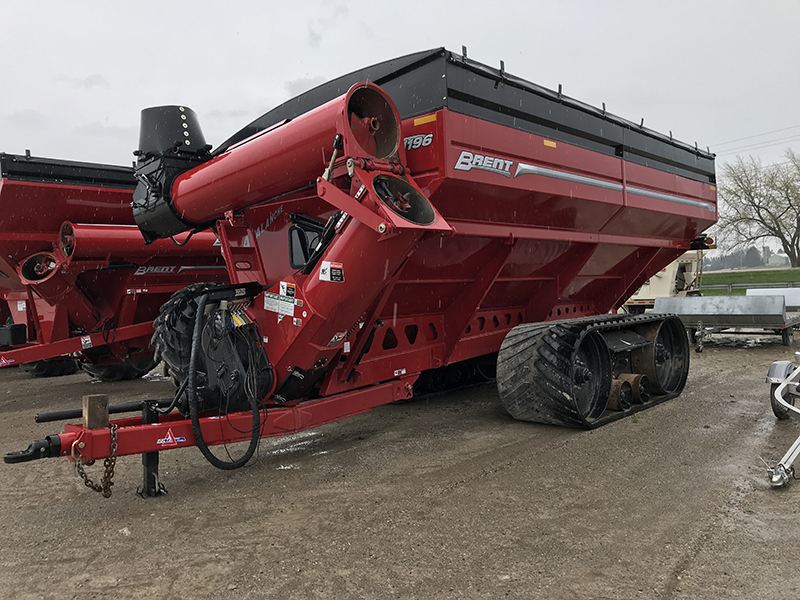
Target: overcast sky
[{"x": 724, "y": 74}]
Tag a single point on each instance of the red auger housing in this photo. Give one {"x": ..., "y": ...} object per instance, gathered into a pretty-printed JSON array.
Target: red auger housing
[{"x": 272, "y": 163}]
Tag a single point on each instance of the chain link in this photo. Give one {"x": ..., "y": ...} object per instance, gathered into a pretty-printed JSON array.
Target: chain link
[{"x": 104, "y": 487}]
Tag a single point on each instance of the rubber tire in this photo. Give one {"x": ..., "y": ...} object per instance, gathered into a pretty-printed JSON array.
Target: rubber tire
[
  {"x": 173, "y": 327},
  {"x": 51, "y": 367},
  {"x": 787, "y": 336},
  {"x": 132, "y": 368},
  {"x": 780, "y": 412}
]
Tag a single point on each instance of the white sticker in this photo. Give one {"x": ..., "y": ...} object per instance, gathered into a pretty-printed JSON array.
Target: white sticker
[
  {"x": 21, "y": 305},
  {"x": 399, "y": 372},
  {"x": 283, "y": 305},
  {"x": 346, "y": 347},
  {"x": 86, "y": 342},
  {"x": 331, "y": 271},
  {"x": 287, "y": 289},
  {"x": 297, "y": 322}
]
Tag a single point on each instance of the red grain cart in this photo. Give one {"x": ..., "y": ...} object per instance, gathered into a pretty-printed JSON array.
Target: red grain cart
[
  {"x": 76, "y": 279},
  {"x": 382, "y": 242}
]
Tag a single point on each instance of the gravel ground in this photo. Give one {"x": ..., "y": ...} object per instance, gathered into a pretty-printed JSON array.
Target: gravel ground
[{"x": 444, "y": 497}]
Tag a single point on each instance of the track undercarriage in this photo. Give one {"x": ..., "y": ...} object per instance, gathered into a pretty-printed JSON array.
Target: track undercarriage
[{"x": 587, "y": 372}]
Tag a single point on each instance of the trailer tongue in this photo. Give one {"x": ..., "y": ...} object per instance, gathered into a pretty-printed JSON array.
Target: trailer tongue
[{"x": 375, "y": 254}]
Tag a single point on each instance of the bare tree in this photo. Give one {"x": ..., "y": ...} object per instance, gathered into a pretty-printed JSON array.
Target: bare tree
[{"x": 760, "y": 202}]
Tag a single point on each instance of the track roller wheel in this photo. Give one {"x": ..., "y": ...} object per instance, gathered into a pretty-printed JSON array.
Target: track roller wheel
[
  {"x": 621, "y": 395},
  {"x": 640, "y": 387},
  {"x": 557, "y": 373},
  {"x": 666, "y": 360}
]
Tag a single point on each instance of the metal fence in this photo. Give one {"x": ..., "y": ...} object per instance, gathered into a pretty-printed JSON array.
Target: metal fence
[{"x": 742, "y": 286}]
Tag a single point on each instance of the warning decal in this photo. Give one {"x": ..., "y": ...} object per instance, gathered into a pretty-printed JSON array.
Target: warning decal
[
  {"x": 331, "y": 271},
  {"x": 287, "y": 289},
  {"x": 283, "y": 305}
]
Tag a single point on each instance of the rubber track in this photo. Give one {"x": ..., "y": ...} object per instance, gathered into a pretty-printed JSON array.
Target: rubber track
[{"x": 534, "y": 370}]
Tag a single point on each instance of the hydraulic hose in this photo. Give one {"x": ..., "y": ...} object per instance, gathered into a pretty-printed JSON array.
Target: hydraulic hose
[{"x": 194, "y": 412}]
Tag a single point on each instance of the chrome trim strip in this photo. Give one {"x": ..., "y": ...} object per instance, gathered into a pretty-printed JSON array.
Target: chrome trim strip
[
  {"x": 201, "y": 268},
  {"x": 524, "y": 169},
  {"x": 659, "y": 196}
]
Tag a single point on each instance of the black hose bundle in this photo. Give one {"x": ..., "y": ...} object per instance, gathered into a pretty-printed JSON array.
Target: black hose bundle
[{"x": 194, "y": 411}]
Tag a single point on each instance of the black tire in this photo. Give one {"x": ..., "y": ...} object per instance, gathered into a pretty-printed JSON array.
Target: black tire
[
  {"x": 132, "y": 368},
  {"x": 780, "y": 411},
  {"x": 787, "y": 336},
  {"x": 554, "y": 373},
  {"x": 173, "y": 327},
  {"x": 51, "y": 367}
]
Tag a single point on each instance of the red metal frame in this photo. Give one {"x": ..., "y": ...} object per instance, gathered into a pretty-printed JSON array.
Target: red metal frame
[{"x": 176, "y": 432}]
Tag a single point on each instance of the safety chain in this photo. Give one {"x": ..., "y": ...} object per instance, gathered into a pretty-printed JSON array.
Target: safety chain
[{"x": 104, "y": 487}]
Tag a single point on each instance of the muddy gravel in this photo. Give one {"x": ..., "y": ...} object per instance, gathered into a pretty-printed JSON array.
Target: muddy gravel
[{"x": 444, "y": 497}]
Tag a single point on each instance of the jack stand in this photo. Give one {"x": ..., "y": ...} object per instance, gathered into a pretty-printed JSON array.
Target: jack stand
[
  {"x": 699, "y": 337},
  {"x": 779, "y": 475},
  {"x": 151, "y": 486}
]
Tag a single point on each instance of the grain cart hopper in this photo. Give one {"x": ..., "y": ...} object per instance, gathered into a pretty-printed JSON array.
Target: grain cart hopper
[
  {"x": 76, "y": 278},
  {"x": 386, "y": 241}
]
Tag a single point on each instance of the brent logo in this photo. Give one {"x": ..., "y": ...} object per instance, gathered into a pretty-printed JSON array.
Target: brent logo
[
  {"x": 158, "y": 270},
  {"x": 468, "y": 161}
]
